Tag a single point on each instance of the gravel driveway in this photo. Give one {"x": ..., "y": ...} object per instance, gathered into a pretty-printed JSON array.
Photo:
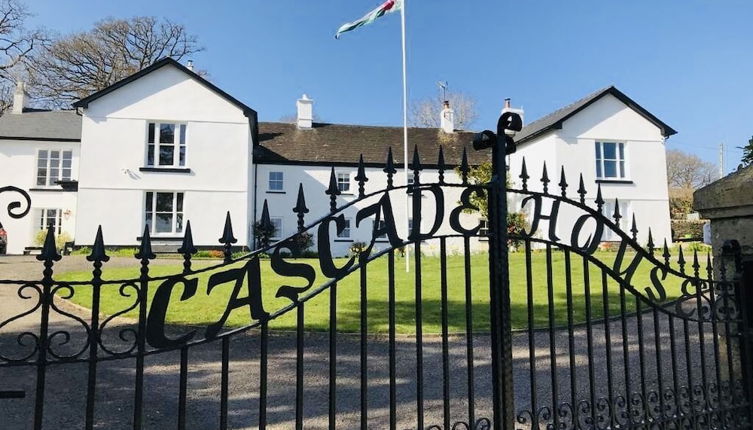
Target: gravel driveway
[{"x": 66, "y": 384}]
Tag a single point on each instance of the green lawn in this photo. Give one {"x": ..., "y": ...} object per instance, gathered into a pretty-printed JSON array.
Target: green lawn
[{"x": 204, "y": 309}]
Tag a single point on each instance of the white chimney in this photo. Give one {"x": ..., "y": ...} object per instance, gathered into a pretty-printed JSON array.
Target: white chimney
[
  {"x": 20, "y": 98},
  {"x": 305, "y": 107},
  {"x": 447, "y": 118},
  {"x": 508, "y": 108},
  {"x": 189, "y": 65}
]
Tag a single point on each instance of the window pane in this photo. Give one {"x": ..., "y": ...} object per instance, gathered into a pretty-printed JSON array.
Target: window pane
[
  {"x": 182, "y": 159},
  {"x": 167, "y": 133},
  {"x": 622, "y": 151},
  {"x": 66, "y": 163},
  {"x": 179, "y": 223},
  {"x": 610, "y": 151},
  {"x": 622, "y": 169},
  {"x": 598, "y": 150},
  {"x": 166, "y": 155},
  {"x": 164, "y": 202},
  {"x": 180, "y": 202},
  {"x": 148, "y": 221},
  {"x": 150, "y": 155},
  {"x": 41, "y": 177},
  {"x": 54, "y": 154},
  {"x": 43, "y": 154},
  {"x": 66, "y": 176},
  {"x": 42, "y": 162},
  {"x": 149, "y": 197},
  {"x": 54, "y": 175},
  {"x": 150, "y": 138},
  {"x": 164, "y": 223},
  {"x": 598, "y": 169},
  {"x": 67, "y": 155},
  {"x": 182, "y": 134},
  {"x": 610, "y": 169}
]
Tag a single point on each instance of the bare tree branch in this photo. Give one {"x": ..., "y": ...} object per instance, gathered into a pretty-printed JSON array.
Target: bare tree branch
[
  {"x": 74, "y": 66},
  {"x": 426, "y": 112},
  {"x": 16, "y": 45},
  {"x": 687, "y": 171}
]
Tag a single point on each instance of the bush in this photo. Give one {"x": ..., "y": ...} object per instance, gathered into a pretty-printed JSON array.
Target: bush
[
  {"x": 300, "y": 243},
  {"x": 263, "y": 234},
  {"x": 687, "y": 229},
  {"x": 516, "y": 223},
  {"x": 60, "y": 240},
  {"x": 357, "y": 248}
]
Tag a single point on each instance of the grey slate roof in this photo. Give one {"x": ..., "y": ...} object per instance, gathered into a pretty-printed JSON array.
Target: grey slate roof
[
  {"x": 339, "y": 144},
  {"x": 555, "y": 119},
  {"x": 33, "y": 124}
]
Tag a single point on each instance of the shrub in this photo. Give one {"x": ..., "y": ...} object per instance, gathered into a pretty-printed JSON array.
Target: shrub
[
  {"x": 357, "y": 248},
  {"x": 60, "y": 240},
  {"x": 300, "y": 243},
  {"x": 687, "y": 229},
  {"x": 516, "y": 223},
  {"x": 263, "y": 234}
]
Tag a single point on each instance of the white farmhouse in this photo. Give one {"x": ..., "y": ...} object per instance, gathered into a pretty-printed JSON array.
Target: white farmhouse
[
  {"x": 613, "y": 142},
  {"x": 39, "y": 152},
  {"x": 165, "y": 146},
  {"x": 161, "y": 147}
]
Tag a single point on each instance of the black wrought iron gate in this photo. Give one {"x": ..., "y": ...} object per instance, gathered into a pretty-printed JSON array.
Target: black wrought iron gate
[{"x": 555, "y": 336}]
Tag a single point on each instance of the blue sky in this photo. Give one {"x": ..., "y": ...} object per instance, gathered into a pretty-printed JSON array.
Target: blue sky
[{"x": 690, "y": 62}]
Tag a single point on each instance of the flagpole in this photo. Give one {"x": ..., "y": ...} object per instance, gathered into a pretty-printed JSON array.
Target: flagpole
[{"x": 405, "y": 131}]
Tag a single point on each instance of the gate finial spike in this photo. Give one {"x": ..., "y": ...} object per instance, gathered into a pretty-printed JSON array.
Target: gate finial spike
[
  {"x": 464, "y": 168},
  {"x": 616, "y": 215},
  {"x": 49, "y": 249},
  {"x": 563, "y": 182},
  {"x": 681, "y": 259},
  {"x": 361, "y": 178},
  {"x": 696, "y": 265},
  {"x": 524, "y": 175},
  {"x": 145, "y": 249},
  {"x": 415, "y": 164},
  {"x": 187, "y": 248},
  {"x": 389, "y": 167},
  {"x": 227, "y": 238},
  {"x": 440, "y": 165},
  {"x": 666, "y": 253},
  {"x": 650, "y": 243},
  {"x": 300, "y": 207},
  {"x": 709, "y": 267},
  {"x": 98, "y": 253},
  {"x": 332, "y": 191},
  {"x": 599, "y": 200},
  {"x": 634, "y": 228},
  {"x": 545, "y": 179},
  {"x": 582, "y": 190}
]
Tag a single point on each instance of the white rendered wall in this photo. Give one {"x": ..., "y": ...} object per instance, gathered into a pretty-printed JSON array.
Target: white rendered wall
[
  {"x": 114, "y": 133},
  {"x": 607, "y": 119},
  {"x": 315, "y": 181},
  {"x": 18, "y": 161}
]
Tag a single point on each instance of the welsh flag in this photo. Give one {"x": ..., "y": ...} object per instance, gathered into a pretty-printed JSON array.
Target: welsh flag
[{"x": 388, "y": 6}]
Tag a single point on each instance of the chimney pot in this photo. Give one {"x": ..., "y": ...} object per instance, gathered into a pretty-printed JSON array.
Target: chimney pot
[
  {"x": 20, "y": 98},
  {"x": 508, "y": 108},
  {"x": 305, "y": 112},
  {"x": 447, "y": 118},
  {"x": 507, "y": 103},
  {"x": 189, "y": 65}
]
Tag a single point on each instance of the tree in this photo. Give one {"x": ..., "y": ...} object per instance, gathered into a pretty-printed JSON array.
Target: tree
[
  {"x": 16, "y": 45},
  {"x": 426, "y": 112},
  {"x": 687, "y": 171},
  {"x": 74, "y": 66},
  {"x": 747, "y": 159}
]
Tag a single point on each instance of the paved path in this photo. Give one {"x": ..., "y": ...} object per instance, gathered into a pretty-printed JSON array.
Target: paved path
[{"x": 66, "y": 384}]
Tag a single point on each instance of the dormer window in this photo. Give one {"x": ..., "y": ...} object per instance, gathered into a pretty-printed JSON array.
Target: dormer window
[
  {"x": 610, "y": 160},
  {"x": 166, "y": 145}
]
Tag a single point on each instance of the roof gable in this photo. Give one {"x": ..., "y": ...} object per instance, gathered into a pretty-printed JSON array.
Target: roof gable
[
  {"x": 247, "y": 111},
  {"x": 554, "y": 120}
]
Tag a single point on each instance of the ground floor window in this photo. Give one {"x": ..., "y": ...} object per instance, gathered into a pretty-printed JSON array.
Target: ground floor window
[
  {"x": 50, "y": 218},
  {"x": 277, "y": 223},
  {"x": 164, "y": 212},
  {"x": 345, "y": 233},
  {"x": 625, "y": 221}
]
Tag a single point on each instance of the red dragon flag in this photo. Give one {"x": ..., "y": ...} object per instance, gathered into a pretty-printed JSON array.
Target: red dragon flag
[{"x": 388, "y": 6}]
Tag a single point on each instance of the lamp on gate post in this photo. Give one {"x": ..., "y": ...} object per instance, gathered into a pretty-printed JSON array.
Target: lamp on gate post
[{"x": 501, "y": 144}]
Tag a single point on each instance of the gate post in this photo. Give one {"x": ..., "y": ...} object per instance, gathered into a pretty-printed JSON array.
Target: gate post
[
  {"x": 743, "y": 282},
  {"x": 499, "y": 277}
]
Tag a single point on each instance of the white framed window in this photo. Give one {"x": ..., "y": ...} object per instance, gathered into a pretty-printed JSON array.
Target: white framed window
[
  {"x": 625, "y": 220},
  {"x": 163, "y": 212},
  {"x": 276, "y": 181},
  {"x": 166, "y": 144},
  {"x": 277, "y": 223},
  {"x": 343, "y": 182},
  {"x": 381, "y": 226},
  {"x": 51, "y": 218},
  {"x": 53, "y": 165},
  {"x": 610, "y": 160},
  {"x": 345, "y": 234},
  {"x": 484, "y": 230}
]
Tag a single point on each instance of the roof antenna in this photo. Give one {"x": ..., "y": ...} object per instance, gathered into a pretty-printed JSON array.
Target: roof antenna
[{"x": 443, "y": 85}]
